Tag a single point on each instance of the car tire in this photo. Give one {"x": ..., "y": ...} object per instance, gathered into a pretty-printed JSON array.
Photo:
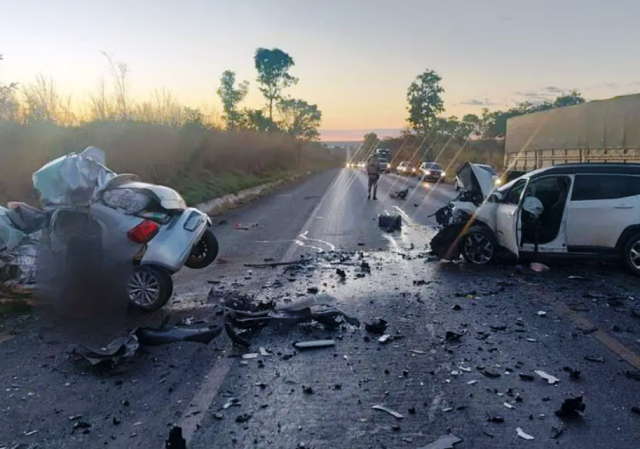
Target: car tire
[
  {"x": 149, "y": 288},
  {"x": 631, "y": 254},
  {"x": 478, "y": 245},
  {"x": 204, "y": 252}
]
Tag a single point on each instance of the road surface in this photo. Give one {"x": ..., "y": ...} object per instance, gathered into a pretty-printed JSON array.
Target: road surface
[{"x": 509, "y": 321}]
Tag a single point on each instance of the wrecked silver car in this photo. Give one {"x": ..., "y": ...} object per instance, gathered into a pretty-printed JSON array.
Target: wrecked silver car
[{"x": 89, "y": 208}]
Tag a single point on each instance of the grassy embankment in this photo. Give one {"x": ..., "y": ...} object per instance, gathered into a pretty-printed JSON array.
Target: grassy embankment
[{"x": 200, "y": 163}]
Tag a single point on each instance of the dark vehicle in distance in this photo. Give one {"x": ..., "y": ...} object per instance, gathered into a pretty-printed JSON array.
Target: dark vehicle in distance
[{"x": 432, "y": 171}]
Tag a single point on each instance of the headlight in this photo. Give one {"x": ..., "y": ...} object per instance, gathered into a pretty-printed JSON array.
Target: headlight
[
  {"x": 442, "y": 174},
  {"x": 498, "y": 182},
  {"x": 413, "y": 170},
  {"x": 427, "y": 172}
]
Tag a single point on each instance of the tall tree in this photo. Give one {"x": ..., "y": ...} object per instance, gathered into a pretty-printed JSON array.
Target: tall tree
[
  {"x": 255, "y": 120},
  {"x": 231, "y": 97},
  {"x": 273, "y": 75},
  {"x": 425, "y": 102},
  {"x": 300, "y": 119}
]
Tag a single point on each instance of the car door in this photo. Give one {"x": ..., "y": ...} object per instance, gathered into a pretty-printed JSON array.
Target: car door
[
  {"x": 601, "y": 207},
  {"x": 508, "y": 217}
]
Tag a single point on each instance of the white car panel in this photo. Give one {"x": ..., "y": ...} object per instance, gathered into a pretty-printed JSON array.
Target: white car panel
[{"x": 599, "y": 223}]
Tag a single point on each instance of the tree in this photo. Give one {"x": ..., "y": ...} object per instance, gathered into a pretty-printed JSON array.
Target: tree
[
  {"x": 300, "y": 119},
  {"x": 8, "y": 105},
  {"x": 573, "y": 98},
  {"x": 424, "y": 100},
  {"x": 192, "y": 118},
  {"x": 369, "y": 144},
  {"x": 273, "y": 74},
  {"x": 231, "y": 96},
  {"x": 255, "y": 120}
]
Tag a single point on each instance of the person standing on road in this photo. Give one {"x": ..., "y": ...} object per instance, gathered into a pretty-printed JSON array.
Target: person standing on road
[{"x": 373, "y": 171}]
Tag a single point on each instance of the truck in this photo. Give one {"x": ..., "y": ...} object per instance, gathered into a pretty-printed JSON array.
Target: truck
[{"x": 597, "y": 131}]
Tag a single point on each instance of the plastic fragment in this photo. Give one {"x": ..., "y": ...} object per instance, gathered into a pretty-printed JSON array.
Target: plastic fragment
[
  {"x": 524, "y": 435},
  {"x": 548, "y": 377}
]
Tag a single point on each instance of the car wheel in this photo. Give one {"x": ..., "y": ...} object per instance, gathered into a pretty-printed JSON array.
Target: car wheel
[
  {"x": 631, "y": 254},
  {"x": 204, "y": 252},
  {"x": 478, "y": 245},
  {"x": 149, "y": 288}
]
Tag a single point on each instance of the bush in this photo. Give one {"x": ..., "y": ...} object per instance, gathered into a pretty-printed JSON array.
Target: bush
[{"x": 201, "y": 163}]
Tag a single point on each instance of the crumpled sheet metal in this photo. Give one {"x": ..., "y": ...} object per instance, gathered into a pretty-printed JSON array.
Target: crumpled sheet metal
[
  {"x": 18, "y": 267},
  {"x": 118, "y": 349},
  {"x": 125, "y": 347},
  {"x": 127, "y": 200},
  {"x": 72, "y": 180},
  {"x": 10, "y": 236}
]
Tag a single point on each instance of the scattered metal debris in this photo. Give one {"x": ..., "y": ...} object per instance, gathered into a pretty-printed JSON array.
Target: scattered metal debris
[
  {"x": 524, "y": 435},
  {"x": 548, "y": 377},
  {"x": 596, "y": 359},
  {"x": 314, "y": 344},
  {"x": 388, "y": 410},
  {"x": 378, "y": 326},
  {"x": 385, "y": 339},
  {"x": 573, "y": 374}
]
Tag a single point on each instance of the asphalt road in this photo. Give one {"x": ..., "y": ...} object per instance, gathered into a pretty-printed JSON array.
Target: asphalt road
[{"x": 323, "y": 398}]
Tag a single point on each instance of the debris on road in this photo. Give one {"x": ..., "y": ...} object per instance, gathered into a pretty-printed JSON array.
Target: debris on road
[
  {"x": 388, "y": 410},
  {"x": 542, "y": 313},
  {"x": 571, "y": 407},
  {"x": 176, "y": 440},
  {"x": 526, "y": 377},
  {"x": 244, "y": 418},
  {"x": 588, "y": 330},
  {"x": 314, "y": 344},
  {"x": 390, "y": 223},
  {"x": 400, "y": 194},
  {"x": 378, "y": 326},
  {"x": 497, "y": 419},
  {"x": 548, "y": 377},
  {"x": 165, "y": 335},
  {"x": 556, "y": 432},
  {"x": 452, "y": 336},
  {"x": 578, "y": 278},
  {"x": 490, "y": 374},
  {"x": 596, "y": 359},
  {"x": 341, "y": 273},
  {"x": 573, "y": 374},
  {"x": 118, "y": 349},
  {"x": 445, "y": 442},
  {"x": 633, "y": 375},
  {"x": 245, "y": 227},
  {"x": 539, "y": 267},
  {"x": 509, "y": 406},
  {"x": 635, "y": 410},
  {"x": 524, "y": 435},
  {"x": 385, "y": 339}
]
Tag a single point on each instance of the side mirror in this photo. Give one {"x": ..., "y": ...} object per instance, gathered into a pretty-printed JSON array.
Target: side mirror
[{"x": 533, "y": 205}]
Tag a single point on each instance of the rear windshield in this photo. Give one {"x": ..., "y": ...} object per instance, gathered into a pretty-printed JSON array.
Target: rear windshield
[{"x": 433, "y": 166}]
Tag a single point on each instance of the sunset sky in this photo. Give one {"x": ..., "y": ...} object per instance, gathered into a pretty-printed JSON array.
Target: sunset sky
[{"x": 354, "y": 58}]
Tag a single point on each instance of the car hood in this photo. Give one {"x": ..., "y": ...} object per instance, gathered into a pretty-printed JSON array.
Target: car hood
[{"x": 475, "y": 180}]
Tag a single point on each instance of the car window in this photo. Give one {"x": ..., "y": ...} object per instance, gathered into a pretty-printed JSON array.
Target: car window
[
  {"x": 603, "y": 187},
  {"x": 434, "y": 166},
  {"x": 514, "y": 194}
]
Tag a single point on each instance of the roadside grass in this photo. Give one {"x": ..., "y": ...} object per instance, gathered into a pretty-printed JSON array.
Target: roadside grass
[{"x": 200, "y": 163}]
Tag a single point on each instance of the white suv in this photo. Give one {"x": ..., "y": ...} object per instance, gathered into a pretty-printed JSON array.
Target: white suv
[{"x": 572, "y": 210}]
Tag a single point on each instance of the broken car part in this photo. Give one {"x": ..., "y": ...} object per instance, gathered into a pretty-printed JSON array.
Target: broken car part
[
  {"x": 314, "y": 344},
  {"x": 445, "y": 442},
  {"x": 388, "y": 410}
]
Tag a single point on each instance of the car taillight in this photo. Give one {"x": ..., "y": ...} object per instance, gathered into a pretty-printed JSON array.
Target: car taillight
[{"x": 144, "y": 232}]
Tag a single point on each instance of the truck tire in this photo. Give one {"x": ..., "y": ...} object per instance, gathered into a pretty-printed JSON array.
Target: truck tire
[{"x": 478, "y": 245}]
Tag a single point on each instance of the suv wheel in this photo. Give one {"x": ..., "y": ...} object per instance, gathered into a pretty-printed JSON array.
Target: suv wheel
[
  {"x": 631, "y": 254},
  {"x": 479, "y": 245}
]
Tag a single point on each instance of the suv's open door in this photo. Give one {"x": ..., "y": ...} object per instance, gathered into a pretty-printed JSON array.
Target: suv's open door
[{"x": 508, "y": 217}]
